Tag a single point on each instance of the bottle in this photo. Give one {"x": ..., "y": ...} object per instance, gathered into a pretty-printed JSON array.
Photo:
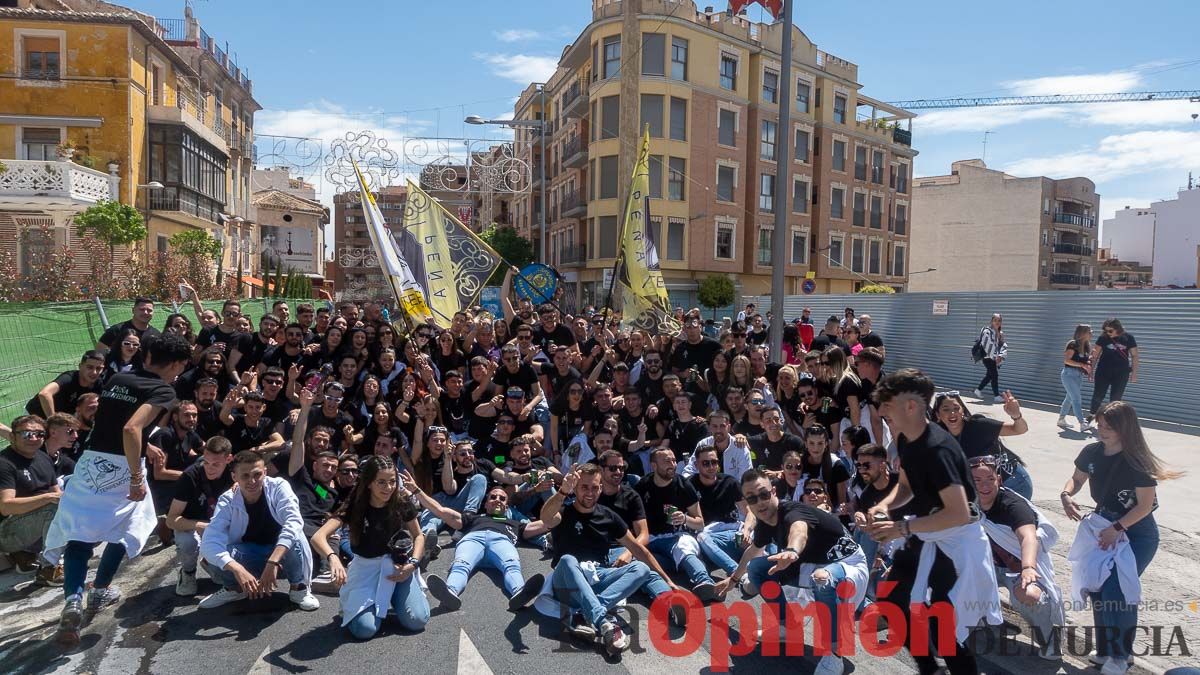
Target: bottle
[{"x": 314, "y": 380}]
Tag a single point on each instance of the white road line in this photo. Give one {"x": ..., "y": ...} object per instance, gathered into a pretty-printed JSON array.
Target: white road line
[
  {"x": 470, "y": 661},
  {"x": 261, "y": 667}
]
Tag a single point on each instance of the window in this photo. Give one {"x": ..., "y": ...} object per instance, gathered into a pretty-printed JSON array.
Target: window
[
  {"x": 799, "y": 247},
  {"x": 898, "y": 251},
  {"x": 902, "y": 179},
  {"x": 838, "y": 203},
  {"x": 802, "y": 145},
  {"x": 594, "y": 126},
  {"x": 860, "y": 162},
  {"x": 839, "y": 109},
  {"x": 612, "y": 56},
  {"x": 679, "y": 53},
  {"x": 607, "y": 232},
  {"x": 803, "y": 91},
  {"x": 800, "y": 196},
  {"x": 729, "y": 66},
  {"x": 652, "y": 114},
  {"x": 656, "y": 176},
  {"x": 726, "y": 182},
  {"x": 193, "y": 171},
  {"x": 727, "y": 127},
  {"x": 610, "y": 116},
  {"x": 37, "y": 243},
  {"x": 839, "y": 155},
  {"x": 766, "y": 144},
  {"x": 677, "y": 169},
  {"x": 874, "y": 250},
  {"x": 1045, "y": 237},
  {"x": 816, "y": 142},
  {"x": 608, "y": 178},
  {"x": 766, "y": 193},
  {"x": 654, "y": 47},
  {"x": 860, "y": 206},
  {"x": 724, "y": 243},
  {"x": 876, "y": 212},
  {"x": 41, "y": 58},
  {"x": 162, "y": 244},
  {"x": 764, "y": 244},
  {"x": 770, "y": 86},
  {"x": 674, "y": 239},
  {"x": 857, "y": 253},
  {"x": 836, "y": 243},
  {"x": 40, "y": 144},
  {"x": 1046, "y": 205},
  {"x": 678, "y": 119}
]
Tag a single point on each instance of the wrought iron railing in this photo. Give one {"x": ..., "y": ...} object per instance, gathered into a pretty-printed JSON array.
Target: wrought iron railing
[{"x": 1074, "y": 219}]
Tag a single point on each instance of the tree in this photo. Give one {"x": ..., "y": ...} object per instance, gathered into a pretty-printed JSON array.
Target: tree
[
  {"x": 279, "y": 280},
  {"x": 514, "y": 249},
  {"x": 715, "y": 291},
  {"x": 113, "y": 223},
  {"x": 877, "y": 289},
  {"x": 197, "y": 243}
]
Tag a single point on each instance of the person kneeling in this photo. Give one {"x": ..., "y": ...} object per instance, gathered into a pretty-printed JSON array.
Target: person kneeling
[
  {"x": 490, "y": 537},
  {"x": 256, "y": 533},
  {"x": 195, "y": 495},
  {"x": 386, "y": 542}
]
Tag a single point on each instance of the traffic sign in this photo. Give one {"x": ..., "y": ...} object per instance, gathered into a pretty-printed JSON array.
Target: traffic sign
[{"x": 809, "y": 286}]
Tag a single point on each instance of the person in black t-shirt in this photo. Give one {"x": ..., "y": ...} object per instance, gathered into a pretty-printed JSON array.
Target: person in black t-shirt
[
  {"x": 314, "y": 484},
  {"x": 550, "y": 332},
  {"x": 585, "y": 532},
  {"x": 672, "y": 513},
  {"x": 109, "y": 475},
  {"x": 489, "y": 537},
  {"x": 249, "y": 429},
  {"x": 696, "y": 351},
  {"x": 829, "y": 337},
  {"x": 818, "y": 462},
  {"x": 62, "y": 436},
  {"x": 143, "y": 312},
  {"x": 224, "y": 335},
  {"x": 724, "y": 536},
  {"x": 979, "y": 436},
  {"x": 454, "y": 406},
  {"x": 1116, "y": 357},
  {"x": 292, "y": 352},
  {"x": 684, "y": 432},
  {"x": 460, "y": 482},
  {"x": 331, "y": 416},
  {"x": 873, "y": 480},
  {"x": 514, "y": 372},
  {"x": 193, "y": 499},
  {"x": 212, "y": 365},
  {"x": 250, "y": 349},
  {"x": 180, "y": 446},
  {"x": 768, "y": 448},
  {"x": 64, "y": 391},
  {"x": 29, "y": 498},
  {"x": 532, "y": 477}
]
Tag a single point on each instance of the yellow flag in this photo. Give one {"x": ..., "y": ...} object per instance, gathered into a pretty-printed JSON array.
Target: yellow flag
[
  {"x": 410, "y": 297},
  {"x": 451, "y": 262},
  {"x": 639, "y": 273}
]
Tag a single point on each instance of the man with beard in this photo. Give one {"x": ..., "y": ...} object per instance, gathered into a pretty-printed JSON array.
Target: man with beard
[
  {"x": 454, "y": 406},
  {"x": 249, "y": 429},
  {"x": 29, "y": 496},
  {"x": 533, "y": 478},
  {"x": 278, "y": 406},
  {"x": 558, "y": 375},
  {"x": 726, "y": 531},
  {"x": 739, "y": 414},
  {"x": 696, "y": 351},
  {"x": 734, "y": 452},
  {"x": 873, "y": 481},
  {"x": 549, "y": 331},
  {"x": 672, "y": 512},
  {"x": 194, "y": 498},
  {"x": 634, "y": 422},
  {"x": 290, "y": 353},
  {"x": 305, "y": 318},
  {"x": 224, "y": 335},
  {"x": 648, "y": 378},
  {"x": 179, "y": 445},
  {"x": 250, "y": 349},
  {"x": 769, "y": 447},
  {"x": 313, "y": 484},
  {"x": 143, "y": 312},
  {"x": 330, "y": 414},
  {"x": 61, "y": 395},
  {"x": 212, "y": 365},
  {"x": 208, "y": 423}
]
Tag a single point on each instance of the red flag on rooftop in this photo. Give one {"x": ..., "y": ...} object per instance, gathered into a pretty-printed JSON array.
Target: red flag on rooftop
[{"x": 774, "y": 7}]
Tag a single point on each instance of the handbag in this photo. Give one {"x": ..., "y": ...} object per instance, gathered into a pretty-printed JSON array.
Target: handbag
[{"x": 977, "y": 350}]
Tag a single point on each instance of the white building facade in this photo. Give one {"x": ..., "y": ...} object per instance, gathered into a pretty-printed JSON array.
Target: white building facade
[{"x": 1165, "y": 236}]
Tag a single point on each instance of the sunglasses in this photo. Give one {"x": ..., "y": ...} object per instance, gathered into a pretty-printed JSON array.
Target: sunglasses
[
  {"x": 524, "y": 338},
  {"x": 762, "y": 496},
  {"x": 436, "y": 429},
  {"x": 814, "y": 491},
  {"x": 792, "y": 467},
  {"x": 72, "y": 432},
  {"x": 507, "y": 423},
  {"x": 616, "y": 468},
  {"x": 277, "y": 383},
  {"x": 127, "y": 343},
  {"x": 214, "y": 362},
  {"x": 706, "y": 463},
  {"x": 32, "y": 434},
  {"x": 864, "y": 465},
  {"x": 348, "y": 472},
  {"x": 498, "y": 497},
  {"x": 335, "y": 399}
]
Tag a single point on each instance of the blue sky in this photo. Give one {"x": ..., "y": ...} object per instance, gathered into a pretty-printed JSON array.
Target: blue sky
[{"x": 323, "y": 68}]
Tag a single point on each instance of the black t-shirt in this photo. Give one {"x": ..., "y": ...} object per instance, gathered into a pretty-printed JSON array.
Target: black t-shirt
[
  {"x": 1112, "y": 479},
  {"x": 627, "y": 425},
  {"x": 279, "y": 409},
  {"x": 481, "y": 467},
  {"x": 932, "y": 462},
  {"x": 837, "y": 470},
  {"x": 587, "y": 536},
  {"x": 513, "y": 529},
  {"x": 316, "y": 417},
  {"x": 844, "y": 389},
  {"x": 261, "y": 526},
  {"x": 1011, "y": 510},
  {"x": 316, "y": 501},
  {"x": 67, "y": 396},
  {"x": 828, "y": 540},
  {"x": 627, "y": 503},
  {"x": 456, "y": 360},
  {"x": 492, "y": 449},
  {"x": 209, "y": 422},
  {"x": 979, "y": 436},
  {"x": 678, "y": 493},
  {"x": 561, "y": 336},
  {"x": 64, "y": 464},
  {"x": 525, "y": 378},
  {"x": 718, "y": 502},
  {"x": 185, "y": 384},
  {"x": 113, "y": 335},
  {"x": 1114, "y": 352},
  {"x": 28, "y": 476},
  {"x": 824, "y": 341},
  {"x": 558, "y": 381},
  {"x": 278, "y": 357},
  {"x": 456, "y": 411},
  {"x": 768, "y": 453},
  {"x": 243, "y": 436},
  {"x": 650, "y": 389},
  {"x": 180, "y": 452},
  {"x": 757, "y": 338},
  {"x": 699, "y": 356},
  {"x": 684, "y": 436},
  {"x": 535, "y": 463},
  {"x": 377, "y": 531},
  {"x": 217, "y": 335},
  {"x": 870, "y": 495},
  {"x": 200, "y": 494},
  {"x": 253, "y": 350},
  {"x": 123, "y": 394},
  {"x": 871, "y": 339}
]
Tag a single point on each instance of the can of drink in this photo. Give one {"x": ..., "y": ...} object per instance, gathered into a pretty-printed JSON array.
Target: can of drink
[{"x": 880, "y": 518}]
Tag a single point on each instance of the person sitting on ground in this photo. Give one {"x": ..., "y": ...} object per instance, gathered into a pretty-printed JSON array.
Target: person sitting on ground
[
  {"x": 312, "y": 470},
  {"x": 62, "y": 394},
  {"x": 726, "y": 532},
  {"x": 29, "y": 495},
  {"x": 463, "y": 482},
  {"x": 256, "y": 535},
  {"x": 62, "y": 434},
  {"x": 385, "y": 540},
  {"x": 194, "y": 498},
  {"x": 180, "y": 445}
]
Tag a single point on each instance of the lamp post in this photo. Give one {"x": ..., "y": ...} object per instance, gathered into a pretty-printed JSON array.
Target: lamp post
[
  {"x": 540, "y": 126},
  {"x": 783, "y": 183}
]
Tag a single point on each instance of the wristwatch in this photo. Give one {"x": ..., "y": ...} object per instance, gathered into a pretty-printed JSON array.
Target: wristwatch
[
  {"x": 414, "y": 562},
  {"x": 1118, "y": 526}
]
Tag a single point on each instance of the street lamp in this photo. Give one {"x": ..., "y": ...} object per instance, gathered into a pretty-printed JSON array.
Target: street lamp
[{"x": 540, "y": 126}]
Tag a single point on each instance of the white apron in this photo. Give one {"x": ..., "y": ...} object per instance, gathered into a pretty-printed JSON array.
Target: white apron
[{"x": 95, "y": 508}]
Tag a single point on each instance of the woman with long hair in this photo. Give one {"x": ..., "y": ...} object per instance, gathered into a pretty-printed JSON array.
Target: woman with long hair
[
  {"x": 793, "y": 350},
  {"x": 790, "y": 485},
  {"x": 851, "y": 334},
  {"x": 818, "y": 462},
  {"x": 121, "y": 359},
  {"x": 357, "y": 345},
  {"x": 741, "y": 373},
  {"x": 991, "y": 339},
  {"x": 1122, "y": 474},
  {"x": 180, "y": 325},
  {"x": 1077, "y": 364},
  {"x": 369, "y": 394},
  {"x": 386, "y": 543},
  {"x": 1115, "y": 357},
  {"x": 979, "y": 436},
  {"x": 503, "y": 334},
  {"x": 787, "y": 397},
  {"x": 847, "y": 388},
  {"x": 447, "y": 356},
  {"x": 570, "y": 414},
  {"x": 386, "y": 368},
  {"x": 716, "y": 376},
  {"x": 331, "y": 347}
]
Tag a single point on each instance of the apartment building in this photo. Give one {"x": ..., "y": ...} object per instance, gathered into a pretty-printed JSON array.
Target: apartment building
[
  {"x": 140, "y": 100},
  {"x": 979, "y": 229},
  {"x": 355, "y": 268},
  {"x": 1164, "y": 236},
  {"x": 707, "y": 84}
]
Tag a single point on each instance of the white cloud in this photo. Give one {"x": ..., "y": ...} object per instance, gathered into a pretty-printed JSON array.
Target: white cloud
[
  {"x": 984, "y": 119},
  {"x": 1141, "y": 114},
  {"x": 520, "y": 68},
  {"x": 516, "y": 34},
  {"x": 1095, "y": 83},
  {"x": 1118, "y": 155}
]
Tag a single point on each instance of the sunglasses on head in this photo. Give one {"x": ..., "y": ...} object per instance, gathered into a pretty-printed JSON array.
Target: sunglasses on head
[
  {"x": 762, "y": 496},
  {"x": 436, "y": 429},
  {"x": 984, "y": 460}
]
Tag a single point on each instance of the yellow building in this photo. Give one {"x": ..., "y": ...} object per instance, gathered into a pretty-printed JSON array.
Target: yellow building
[{"x": 143, "y": 102}]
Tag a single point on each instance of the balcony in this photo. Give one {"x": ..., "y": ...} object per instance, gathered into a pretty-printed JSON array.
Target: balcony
[
  {"x": 191, "y": 113},
  {"x": 50, "y": 184},
  {"x": 575, "y": 153},
  {"x": 1073, "y": 249},
  {"x": 902, "y": 136},
  {"x": 183, "y": 201},
  {"x": 221, "y": 128},
  {"x": 575, "y": 102},
  {"x": 572, "y": 255},
  {"x": 240, "y": 142},
  {"x": 1074, "y": 219},
  {"x": 1070, "y": 279},
  {"x": 573, "y": 205}
]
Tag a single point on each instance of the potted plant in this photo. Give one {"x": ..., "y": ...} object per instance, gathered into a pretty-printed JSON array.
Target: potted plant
[{"x": 66, "y": 151}]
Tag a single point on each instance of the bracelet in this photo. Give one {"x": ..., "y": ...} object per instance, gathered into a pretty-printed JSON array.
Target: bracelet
[
  {"x": 1018, "y": 417},
  {"x": 276, "y": 563},
  {"x": 905, "y": 528},
  {"x": 1064, "y": 493},
  {"x": 1118, "y": 526},
  {"x": 1028, "y": 567},
  {"x": 331, "y": 554}
]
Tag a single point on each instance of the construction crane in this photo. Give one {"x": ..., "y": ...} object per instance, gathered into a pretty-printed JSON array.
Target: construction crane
[{"x": 1057, "y": 99}]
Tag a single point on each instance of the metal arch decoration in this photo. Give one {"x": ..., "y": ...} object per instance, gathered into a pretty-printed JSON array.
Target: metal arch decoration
[
  {"x": 357, "y": 256},
  {"x": 379, "y": 164},
  {"x": 303, "y": 156}
]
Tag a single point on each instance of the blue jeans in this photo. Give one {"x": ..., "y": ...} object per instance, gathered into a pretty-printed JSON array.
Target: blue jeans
[
  {"x": 1072, "y": 381},
  {"x": 469, "y": 497},
  {"x": 1115, "y": 619},
  {"x": 490, "y": 548},
  {"x": 870, "y": 549},
  {"x": 75, "y": 563},
  {"x": 254, "y": 558},
  {"x": 690, "y": 564},
  {"x": 721, "y": 548},
  {"x": 824, "y": 592},
  {"x": 409, "y": 604},
  {"x": 574, "y": 587},
  {"x": 1020, "y": 482},
  {"x": 654, "y": 586}
]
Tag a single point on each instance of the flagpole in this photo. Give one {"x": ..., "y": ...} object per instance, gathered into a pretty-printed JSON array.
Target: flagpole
[{"x": 783, "y": 140}]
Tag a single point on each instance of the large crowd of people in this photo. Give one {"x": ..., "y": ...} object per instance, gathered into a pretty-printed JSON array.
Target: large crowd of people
[{"x": 333, "y": 451}]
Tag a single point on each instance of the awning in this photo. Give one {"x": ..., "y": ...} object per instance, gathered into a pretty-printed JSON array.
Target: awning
[{"x": 257, "y": 283}]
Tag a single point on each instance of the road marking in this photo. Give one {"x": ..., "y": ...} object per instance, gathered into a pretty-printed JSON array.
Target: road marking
[
  {"x": 470, "y": 661},
  {"x": 261, "y": 667}
]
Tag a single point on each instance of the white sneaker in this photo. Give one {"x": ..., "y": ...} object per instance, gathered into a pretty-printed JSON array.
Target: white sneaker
[
  {"x": 1063, "y": 423},
  {"x": 221, "y": 597},
  {"x": 978, "y": 394},
  {"x": 325, "y": 577},
  {"x": 1114, "y": 666},
  {"x": 186, "y": 587},
  {"x": 998, "y": 399},
  {"x": 304, "y": 599},
  {"x": 1050, "y": 651},
  {"x": 615, "y": 640},
  {"x": 830, "y": 664}
]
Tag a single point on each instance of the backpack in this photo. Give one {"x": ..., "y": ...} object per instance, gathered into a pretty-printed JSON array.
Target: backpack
[{"x": 977, "y": 351}]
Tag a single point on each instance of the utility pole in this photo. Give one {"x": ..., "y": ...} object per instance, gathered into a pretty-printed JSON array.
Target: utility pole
[{"x": 783, "y": 180}]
